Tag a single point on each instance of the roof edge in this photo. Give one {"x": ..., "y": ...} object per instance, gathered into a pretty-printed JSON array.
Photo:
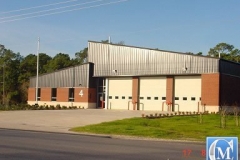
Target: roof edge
[{"x": 154, "y": 49}]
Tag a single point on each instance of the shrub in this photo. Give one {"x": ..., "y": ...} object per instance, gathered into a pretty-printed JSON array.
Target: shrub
[
  {"x": 74, "y": 107},
  {"x": 58, "y": 106},
  {"x": 52, "y": 107},
  {"x": 46, "y": 107},
  {"x": 40, "y": 107}
]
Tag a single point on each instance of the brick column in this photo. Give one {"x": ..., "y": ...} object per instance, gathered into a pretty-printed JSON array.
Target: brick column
[
  {"x": 170, "y": 92},
  {"x": 46, "y": 94},
  {"x": 31, "y": 94},
  {"x": 170, "y": 89},
  {"x": 62, "y": 94},
  {"x": 210, "y": 89},
  {"x": 135, "y": 92}
]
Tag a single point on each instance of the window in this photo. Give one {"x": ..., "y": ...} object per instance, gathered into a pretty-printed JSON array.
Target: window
[
  {"x": 39, "y": 94},
  {"x": 148, "y": 98},
  {"x": 101, "y": 89},
  {"x": 54, "y": 94},
  {"x": 129, "y": 97},
  {"x": 116, "y": 97},
  {"x": 141, "y": 98},
  {"x": 193, "y": 98},
  {"x": 184, "y": 98},
  {"x": 110, "y": 97},
  {"x": 176, "y": 98},
  {"x": 155, "y": 98},
  {"x": 71, "y": 95},
  {"x": 163, "y": 98},
  {"x": 123, "y": 97}
]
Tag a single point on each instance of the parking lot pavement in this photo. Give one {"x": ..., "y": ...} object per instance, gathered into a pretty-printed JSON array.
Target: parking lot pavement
[{"x": 61, "y": 120}]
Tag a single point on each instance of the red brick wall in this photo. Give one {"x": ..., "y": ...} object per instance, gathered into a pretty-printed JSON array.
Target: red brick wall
[
  {"x": 169, "y": 87},
  {"x": 46, "y": 94},
  {"x": 230, "y": 89},
  {"x": 135, "y": 91},
  {"x": 89, "y": 95},
  {"x": 210, "y": 89},
  {"x": 31, "y": 94},
  {"x": 62, "y": 94}
]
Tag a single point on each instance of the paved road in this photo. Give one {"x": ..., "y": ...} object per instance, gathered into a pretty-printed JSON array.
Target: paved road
[
  {"x": 23, "y": 145},
  {"x": 61, "y": 120}
]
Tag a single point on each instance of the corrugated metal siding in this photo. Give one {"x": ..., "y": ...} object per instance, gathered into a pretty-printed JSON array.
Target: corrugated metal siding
[
  {"x": 70, "y": 77},
  {"x": 230, "y": 68},
  {"x": 82, "y": 76},
  {"x": 140, "y": 61}
]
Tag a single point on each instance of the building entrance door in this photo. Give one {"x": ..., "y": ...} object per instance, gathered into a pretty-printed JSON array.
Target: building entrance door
[
  {"x": 101, "y": 100},
  {"x": 101, "y": 93}
]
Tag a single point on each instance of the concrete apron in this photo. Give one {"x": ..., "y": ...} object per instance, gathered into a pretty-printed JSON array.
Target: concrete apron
[{"x": 62, "y": 120}]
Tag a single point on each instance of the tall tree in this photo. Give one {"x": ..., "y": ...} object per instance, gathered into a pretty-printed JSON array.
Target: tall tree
[
  {"x": 226, "y": 51},
  {"x": 28, "y": 68},
  {"x": 105, "y": 41},
  {"x": 81, "y": 56},
  {"x": 60, "y": 61},
  {"x": 10, "y": 63},
  {"x": 43, "y": 60}
]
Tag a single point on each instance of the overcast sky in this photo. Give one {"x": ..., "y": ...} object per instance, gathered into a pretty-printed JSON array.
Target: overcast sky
[{"x": 66, "y": 25}]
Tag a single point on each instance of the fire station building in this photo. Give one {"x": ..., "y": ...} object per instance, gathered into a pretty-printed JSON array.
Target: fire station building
[{"x": 134, "y": 78}]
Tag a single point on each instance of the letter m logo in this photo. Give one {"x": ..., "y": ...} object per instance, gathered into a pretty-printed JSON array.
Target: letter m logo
[{"x": 222, "y": 148}]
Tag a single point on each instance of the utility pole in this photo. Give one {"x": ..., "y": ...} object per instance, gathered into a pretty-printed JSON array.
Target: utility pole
[
  {"x": 37, "y": 70},
  {"x": 3, "y": 95}
]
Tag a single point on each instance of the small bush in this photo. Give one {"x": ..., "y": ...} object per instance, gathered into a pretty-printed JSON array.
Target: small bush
[
  {"x": 46, "y": 107},
  {"x": 52, "y": 107},
  {"x": 58, "y": 107},
  {"x": 41, "y": 107},
  {"x": 74, "y": 107}
]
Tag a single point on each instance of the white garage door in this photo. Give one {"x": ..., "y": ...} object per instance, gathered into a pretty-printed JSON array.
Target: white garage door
[
  {"x": 120, "y": 92},
  {"x": 187, "y": 92},
  {"x": 152, "y": 93}
]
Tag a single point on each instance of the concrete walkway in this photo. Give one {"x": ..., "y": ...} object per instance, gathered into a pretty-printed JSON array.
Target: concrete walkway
[{"x": 62, "y": 120}]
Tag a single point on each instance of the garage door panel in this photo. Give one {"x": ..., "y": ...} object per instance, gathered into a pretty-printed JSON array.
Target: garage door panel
[
  {"x": 120, "y": 90},
  {"x": 152, "y": 92},
  {"x": 187, "y": 92}
]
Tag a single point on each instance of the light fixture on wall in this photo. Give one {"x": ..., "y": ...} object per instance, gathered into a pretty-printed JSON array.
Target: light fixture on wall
[
  {"x": 114, "y": 71},
  {"x": 184, "y": 69}
]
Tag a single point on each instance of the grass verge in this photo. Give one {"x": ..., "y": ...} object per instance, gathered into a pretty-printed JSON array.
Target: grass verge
[{"x": 177, "y": 127}]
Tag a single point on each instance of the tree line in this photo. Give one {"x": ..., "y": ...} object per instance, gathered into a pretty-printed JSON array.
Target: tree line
[{"x": 15, "y": 69}]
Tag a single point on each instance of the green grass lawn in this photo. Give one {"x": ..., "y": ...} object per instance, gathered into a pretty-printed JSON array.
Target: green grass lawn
[{"x": 177, "y": 127}]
